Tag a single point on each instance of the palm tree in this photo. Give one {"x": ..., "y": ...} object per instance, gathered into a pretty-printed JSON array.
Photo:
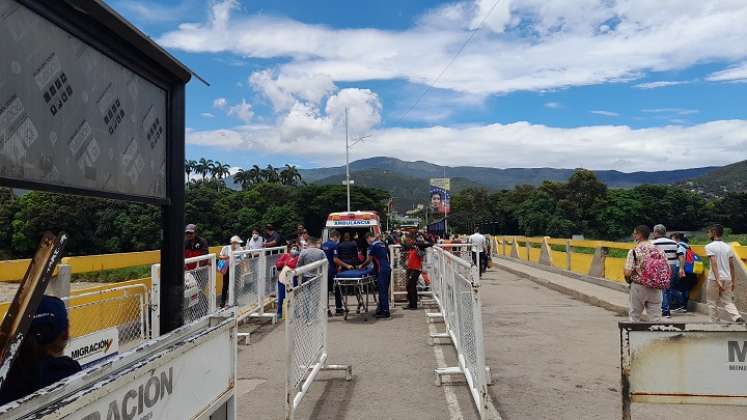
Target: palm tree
[
  {"x": 203, "y": 167},
  {"x": 270, "y": 174},
  {"x": 255, "y": 175},
  {"x": 221, "y": 170},
  {"x": 290, "y": 175},
  {"x": 189, "y": 167},
  {"x": 243, "y": 178}
]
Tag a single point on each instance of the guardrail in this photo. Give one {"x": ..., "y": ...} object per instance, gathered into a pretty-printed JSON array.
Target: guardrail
[
  {"x": 455, "y": 284},
  {"x": 306, "y": 332},
  {"x": 601, "y": 259},
  {"x": 253, "y": 283}
]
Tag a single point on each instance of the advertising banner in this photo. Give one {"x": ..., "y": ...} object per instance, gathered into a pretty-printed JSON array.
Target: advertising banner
[
  {"x": 440, "y": 192},
  {"x": 72, "y": 117}
]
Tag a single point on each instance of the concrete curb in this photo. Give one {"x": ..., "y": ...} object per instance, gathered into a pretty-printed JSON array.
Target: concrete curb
[{"x": 592, "y": 300}]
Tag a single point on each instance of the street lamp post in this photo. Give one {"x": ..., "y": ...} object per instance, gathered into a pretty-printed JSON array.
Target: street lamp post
[
  {"x": 347, "y": 158},
  {"x": 347, "y": 155}
]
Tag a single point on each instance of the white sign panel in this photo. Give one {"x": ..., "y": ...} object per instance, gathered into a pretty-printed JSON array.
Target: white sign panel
[
  {"x": 351, "y": 223},
  {"x": 686, "y": 363},
  {"x": 70, "y": 116},
  {"x": 93, "y": 347},
  {"x": 176, "y": 388}
]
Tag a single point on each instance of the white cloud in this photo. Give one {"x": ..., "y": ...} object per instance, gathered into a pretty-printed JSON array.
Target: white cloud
[
  {"x": 605, "y": 113},
  {"x": 736, "y": 73},
  {"x": 220, "y": 103},
  {"x": 677, "y": 111},
  {"x": 526, "y": 45},
  {"x": 553, "y": 105},
  {"x": 242, "y": 111},
  {"x": 207, "y": 115},
  {"x": 284, "y": 90},
  {"x": 661, "y": 84},
  {"x": 521, "y": 144}
]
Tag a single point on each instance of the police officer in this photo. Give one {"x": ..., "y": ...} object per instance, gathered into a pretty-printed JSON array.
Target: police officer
[
  {"x": 330, "y": 250},
  {"x": 379, "y": 256}
]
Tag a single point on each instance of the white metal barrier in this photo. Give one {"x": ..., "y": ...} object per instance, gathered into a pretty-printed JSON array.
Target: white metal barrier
[
  {"x": 463, "y": 251},
  {"x": 306, "y": 331},
  {"x": 398, "y": 276},
  {"x": 200, "y": 299},
  {"x": 119, "y": 315},
  {"x": 455, "y": 285},
  {"x": 189, "y": 373}
]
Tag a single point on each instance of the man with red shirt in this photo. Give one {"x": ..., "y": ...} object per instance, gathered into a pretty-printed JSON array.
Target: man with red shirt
[{"x": 415, "y": 249}]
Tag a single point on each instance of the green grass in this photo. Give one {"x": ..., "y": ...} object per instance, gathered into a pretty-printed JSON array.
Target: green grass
[
  {"x": 702, "y": 238},
  {"x": 115, "y": 275}
]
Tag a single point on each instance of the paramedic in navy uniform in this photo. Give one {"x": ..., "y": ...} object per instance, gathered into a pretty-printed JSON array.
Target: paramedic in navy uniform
[
  {"x": 379, "y": 256},
  {"x": 330, "y": 250}
]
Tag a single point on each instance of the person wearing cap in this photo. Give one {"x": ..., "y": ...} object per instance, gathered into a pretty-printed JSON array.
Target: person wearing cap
[
  {"x": 272, "y": 238},
  {"x": 194, "y": 246},
  {"x": 41, "y": 361},
  {"x": 225, "y": 256}
]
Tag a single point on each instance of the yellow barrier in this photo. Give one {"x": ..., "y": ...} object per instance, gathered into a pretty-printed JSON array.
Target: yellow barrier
[
  {"x": 13, "y": 270},
  {"x": 581, "y": 263}
]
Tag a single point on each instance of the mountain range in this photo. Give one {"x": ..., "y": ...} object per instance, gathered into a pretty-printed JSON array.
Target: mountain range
[
  {"x": 408, "y": 181},
  {"x": 723, "y": 180}
]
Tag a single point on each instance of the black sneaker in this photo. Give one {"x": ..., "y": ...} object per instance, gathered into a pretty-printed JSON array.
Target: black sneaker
[
  {"x": 666, "y": 315},
  {"x": 339, "y": 311},
  {"x": 740, "y": 320},
  {"x": 382, "y": 315},
  {"x": 411, "y": 308}
]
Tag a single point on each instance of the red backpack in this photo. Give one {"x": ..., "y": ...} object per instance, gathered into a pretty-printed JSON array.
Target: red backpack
[{"x": 655, "y": 271}]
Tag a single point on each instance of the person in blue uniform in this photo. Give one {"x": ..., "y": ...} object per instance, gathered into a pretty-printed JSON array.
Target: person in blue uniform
[
  {"x": 378, "y": 254},
  {"x": 41, "y": 360},
  {"x": 330, "y": 250}
]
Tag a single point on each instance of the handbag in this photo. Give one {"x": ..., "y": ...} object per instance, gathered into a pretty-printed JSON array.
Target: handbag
[{"x": 222, "y": 266}]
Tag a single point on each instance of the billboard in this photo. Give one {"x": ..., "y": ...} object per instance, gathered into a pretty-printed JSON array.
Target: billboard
[
  {"x": 440, "y": 195},
  {"x": 74, "y": 118}
]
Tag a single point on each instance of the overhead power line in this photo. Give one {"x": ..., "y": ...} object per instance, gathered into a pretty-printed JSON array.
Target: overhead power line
[{"x": 430, "y": 85}]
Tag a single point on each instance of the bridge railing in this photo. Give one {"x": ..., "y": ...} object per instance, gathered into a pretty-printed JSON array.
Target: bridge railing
[
  {"x": 601, "y": 259},
  {"x": 455, "y": 286}
]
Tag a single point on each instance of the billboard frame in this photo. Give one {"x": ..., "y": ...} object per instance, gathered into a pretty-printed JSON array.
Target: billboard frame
[{"x": 98, "y": 26}]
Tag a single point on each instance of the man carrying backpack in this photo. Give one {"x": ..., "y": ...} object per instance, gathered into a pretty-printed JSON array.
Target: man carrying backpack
[{"x": 647, "y": 272}]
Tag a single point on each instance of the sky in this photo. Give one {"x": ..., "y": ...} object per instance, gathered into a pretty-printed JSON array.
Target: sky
[{"x": 602, "y": 84}]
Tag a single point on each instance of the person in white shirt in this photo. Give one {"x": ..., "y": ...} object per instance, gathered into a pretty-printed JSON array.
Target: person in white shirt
[
  {"x": 477, "y": 240},
  {"x": 257, "y": 241},
  {"x": 720, "y": 287},
  {"x": 225, "y": 260},
  {"x": 669, "y": 248}
]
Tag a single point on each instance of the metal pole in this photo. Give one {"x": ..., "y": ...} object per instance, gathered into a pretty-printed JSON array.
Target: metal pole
[{"x": 347, "y": 158}]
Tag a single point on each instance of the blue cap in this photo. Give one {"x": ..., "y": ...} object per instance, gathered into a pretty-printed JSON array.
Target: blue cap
[{"x": 50, "y": 320}]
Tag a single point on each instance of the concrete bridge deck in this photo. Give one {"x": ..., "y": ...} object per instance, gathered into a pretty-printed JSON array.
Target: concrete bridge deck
[{"x": 553, "y": 356}]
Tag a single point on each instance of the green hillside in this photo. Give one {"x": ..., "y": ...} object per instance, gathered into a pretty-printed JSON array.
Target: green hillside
[{"x": 730, "y": 178}]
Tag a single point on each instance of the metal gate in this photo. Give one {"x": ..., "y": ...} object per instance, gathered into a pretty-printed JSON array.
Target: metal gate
[{"x": 306, "y": 331}]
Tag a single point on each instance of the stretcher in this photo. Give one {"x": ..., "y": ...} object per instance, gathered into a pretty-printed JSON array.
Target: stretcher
[{"x": 359, "y": 283}]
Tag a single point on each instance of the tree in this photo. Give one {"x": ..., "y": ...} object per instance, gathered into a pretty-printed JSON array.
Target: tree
[
  {"x": 270, "y": 174},
  {"x": 203, "y": 167},
  {"x": 290, "y": 176},
  {"x": 243, "y": 178}
]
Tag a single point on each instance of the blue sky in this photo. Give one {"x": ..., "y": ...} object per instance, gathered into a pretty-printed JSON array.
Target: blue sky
[{"x": 627, "y": 85}]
